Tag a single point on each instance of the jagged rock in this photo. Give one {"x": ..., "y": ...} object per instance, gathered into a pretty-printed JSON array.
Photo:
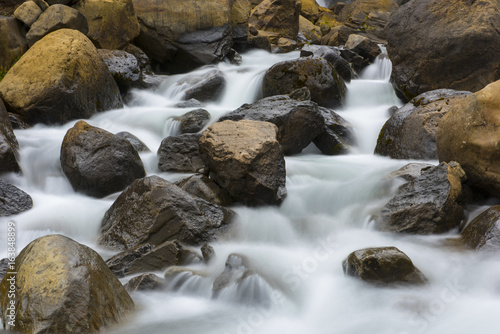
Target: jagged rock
[
  {"x": 142, "y": 58},
  {"x": 364, "y": 47},
  {"x": 145, "y": 282},
  {"x": 337, "y": 136},
  {"x": 332, "y": 55},
  {"x": 124, "y": 68},
  {"x": 204, "y": 87},
  {"x": 194, "y": 121},
  {"x": 311, "y": 32},
  {"x": 205, "y": 188},
  {"x": 181, "y": 154},
  {"x": 137, "y": 144},
  {"x": 13, "y": 200},
  {"x": 9, "y": 146},
  {"x": 483, "y": 232},
  {"x": 12, "y": 41},
  {"x": 240, "y": 13},
  {"x": 310, "y": 10},
  {"x": 28, "y": 12}
]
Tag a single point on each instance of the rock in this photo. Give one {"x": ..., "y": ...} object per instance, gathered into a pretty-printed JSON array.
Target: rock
[
  {"x": 310, "y": 10},
  {"x": 124, "y": 68},
  {"x": 12, "y": 41},
  {"x": 246, "y": 159},
  {"x": 332, "y": 55},
  {"x": 435, "y": 45},
  {"x": 54, "y": 18},
  {"x": 137, "y": 144},
  {"x": 337, "y": 35},
  {"x": 299, "y": 123},
  {"x": 205, "y": 188},
  {"x": 153, "y": 81},
  {"x": 208, "y": 253},
  {"x": 411, "y": 132},
  {"x": 146, "y": 257},
  {"x": 326, "y": 86},
  {"x": 429, "y": 204},
  {"x": 13, "y": 200},
  {"x": 301, "y": 94},
  {"x": 327, "y": 21},
  {"x": 142, "y": 59},
  {"x": 4, "y": 264},
  {"x": 240, "y": 13},
  {"x": 408, "y": 172},
  {"x": 153, "y": 210},
  {"x": 273, "y": 20},
  {"x": 63, "y": 287},
  {"x": 112, "y": 24},
  {"x": 311, "y": 32},
  {"x": 234, "y": 57},
  {"x": 184, "y": 34},
  {"x": 194, "y": 121},
  {"x": 468, "y": 134},
  {"x": 191, "y": 103},
  {"x": 9, "y": 146},
  {"x": 72, "y": 81},
  {"x": 42, "y": 4},
  {"x": 28, "y": 12},
  {"x": 98, "y": 163},
  {"x": 145, "y": 282},
  {"x": 181, "y": 154},
  {"x": 383, "y": 266},
  {"x": 204, "y": 87},
  {"x": 364, "y": 47},
  {"x": 483, "y": 232},
  {"x": 337, "y": 136}
]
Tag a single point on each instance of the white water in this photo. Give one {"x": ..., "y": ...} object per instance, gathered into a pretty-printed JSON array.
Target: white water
[{"x": 297, "y": 248}]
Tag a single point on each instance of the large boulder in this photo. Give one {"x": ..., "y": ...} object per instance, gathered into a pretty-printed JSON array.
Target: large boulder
[
  {"x": 483, "y": 232},
  {"x": 112, "y": 24},
  {"x": 124, "y": 68},
  {"x": 62, "y": 287},
  {"x": 97, "y": 162},
  {"x": 337, "y": 136},
  {"x": 410, "y": 133},
  {"x": 181, "y": 154},
  {"x": 434, "y": 44},
  {"x": 12, "y": 41},
  {"x": 298, "y": 123},
  {"x": 245, "y": 158},
  {"x": 383, "y": 266},
  {"x": 332, "y": 55},
  {"x": 28, "y": 12},
  {"x": 13, "y": 200},
  {"x": 184, "y": 34},
  {"x": 428, "y": 204},
  {"x": 8, "y": 144},
  {"x": 326, "y": 86},
  {"x": 72, "y": 81},
  {"x": 469, "y": 134},
  {"x": 153, "y": 210}
]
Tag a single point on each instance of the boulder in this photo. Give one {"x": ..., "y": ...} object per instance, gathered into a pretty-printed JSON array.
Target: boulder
[
  {"x": 434, "y": 44},
  {"x": 28, "y": 12},
  {"x": 98, "y": 163},
  {"x": 194, "y": 121},
  {"x": 311, "y": 32},
  {"x": 364, "y": 47},
  {"x": 483, "y": 232},
  {"x": 245, "y": 158},
  {"x": 310, "y": 10},
  {"x": 204, "y": 87},
  {"x": 137, "y": 144},
  {"x": 72, "y": 81},
  {"x": 326, "y": 86},
  {"x": 184, "y": 34},
  {"x": 383, "y": 266},
  {"x": 63, "y": 287},
  {"x": 124, "y": 68},
  {"x": 54, "y": 18},
  {"x": 112, "y": 24},
  {"x": 337, "y": 136},
  {"x": 240, "y": 13},
  {"x": 299, "y": 123},
  {"x": 469, "y": 134},
  {"x": 145, "y": 282},
  {"x": 153, "y": 210},
  {"x": 429, "y": 204},
  {"x": 13, "y": 200},
  {"x": 332, "y": 55},
  {"x": 12, "y": 42},
  {"x": 9, "y": 146},
  {"x": 203, "y": 187},
  {"x": 181, "y": 154},
  {"x": 410, "y": 133}
]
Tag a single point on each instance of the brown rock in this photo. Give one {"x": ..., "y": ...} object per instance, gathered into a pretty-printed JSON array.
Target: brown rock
[
  {"x": 363, "y": 46},
  {"x": 28, "y": 12},
  {"x": 309, "y": 30},
  {"x": 310, "y": 10}
]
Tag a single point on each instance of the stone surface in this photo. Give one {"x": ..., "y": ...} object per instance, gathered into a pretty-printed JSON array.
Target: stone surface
[
  {"x": 240, "y": 13},
  {"x": 124, "y": 68},
  {"x": 208, "y": 253},
  {"x": 310, "y": 10},
  {"x": 326, "y": 86},
  {"x": 363, "y": 46},
  {"x": 434, "y": 44},
  {"x": 411, "y": 132},
  {"x": 138, "y": 144},
  {"x": 72, "y": 81},
  {"x": 4, "y": 265},
  {"x": 204, "y": 87},
  {"x": 13, "y": 200},
  {"x": 28, "y": 12},
  {"x": 98, "y": 163},
  {"x": 194, "y": 121},
  {"x": 245, "y": 158},
  {"x": 332, "y": 55},
  {"x": 383, "y": 266},
  {"x": 12, "y": 41},
  {"x": 311, "y": 32},
  {"x": 63, "y": 287},
  {"x": 203, "y": 187},
  {"x": 145, "y": 282},
  {"x": 9, "y": 146},
  {"x": 337, "y": 136},
  {"x": 483, "y": 232},
  {"x": 181, "y": 154},
  {"x": 153, "y": 210}
]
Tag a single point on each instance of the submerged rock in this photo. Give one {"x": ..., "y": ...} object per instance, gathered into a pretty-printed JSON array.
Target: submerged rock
[{"x": 483, "y": 232}]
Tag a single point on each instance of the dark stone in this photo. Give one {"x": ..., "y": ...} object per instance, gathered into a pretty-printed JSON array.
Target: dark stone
[
  {"x": 194, "y": 121},
  {"x": 205, "y": 188},
  {"x": 364, "y": 47},
  {"x": 208, "y": 253},
  {"x": 4, "y": 266},
  {"x": 13, "y": 200},
  {"x": 145, "y": 282},
  {"x": 352, "y": 57},
  {"x": 337, "y": 136},
  {"x": 124, "y": 68},
  {"x": 483, "y": 232},
  {"x": 8, "y": 144},
  {"x": 332, "y": 55},
  {"x": 204, "y": 87},
  {"x": 138, "y": 145},
  {"x": 181, "y": 154}
]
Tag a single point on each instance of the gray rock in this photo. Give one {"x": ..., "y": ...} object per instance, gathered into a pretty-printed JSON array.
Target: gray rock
[
  {"x": 124, "y": 68},
  {"x": 332, "y": 55},
  {"x": 205, "y": 87},
  {"x": 13, "y": 200},
  {"x": 208, "y": 253},
  {"x": 337, "y": 136},
  {"x": 483, "y": 232},
  {"x": 138, "y": 145},
  {"x": 181, "y": 154},
  {"x": 8, "y": 144},
  {"x": 4, "y": 263},
  {"x": 194, "y": 121},
  {"x": 363, "y": 46},
  {"x": 28, "y": 12},
  {"x": 145, "y": 282}
]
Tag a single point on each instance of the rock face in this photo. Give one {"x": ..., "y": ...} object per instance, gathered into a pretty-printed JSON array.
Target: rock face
[
  {"x": 112, "y": 24},
  {"x": 13, "y": 200},
  {"x": 337, "y": 136},
  {"x": 411, "y": 132},
  {"x": 332, "y": 55},
  {"x": 298, "y": 123},
  {"x": 383, "y": 266},
  {"x": 326, "y": 86},
  {"x": 72, "y": 81},
  {"x": 98, "y": 163},
  {"x": 428, "y": 204},
  {"x": 181, "y": 154},
  {"x": 483, "y": 232},
  {"x": 53, "y": 270},
  {"x": 12, "y": 41},
  {"x": 8, "y": 144},
  {"x": 468, "y": 134},
  {"x": 184, "y": 34},
  {"x": 246, "y": 159},
  {"x": 28, "y": 12},
  {"x": 153, "y": 210},
  {"x": 54, "y": 18},
  {"x": 204, "y": 87},
  {"x": 436, "y": 45},
  {"x": 194, "y": 121},
  {"x": 124, "y": 68},
  {"x": 205, "y": 188}
]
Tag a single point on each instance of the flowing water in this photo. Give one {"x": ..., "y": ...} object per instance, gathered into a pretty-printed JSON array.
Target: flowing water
[{"x": 297, "y": 249}]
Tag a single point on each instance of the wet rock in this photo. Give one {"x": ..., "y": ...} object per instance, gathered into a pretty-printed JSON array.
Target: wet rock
[
  {"x": 208, "y": 253},
  {"x": 12, "y": 41},
  {"x": 299, "y": 123},
  {"x": 483, "y": 232},
  {"x": 326, "y": 86},
  {"x": 205, "y": 188},
  {"x": 145, "y": 282},
  {"x": 409, "y": 172},
  {"x": 137, "y": 144},
  {"x": 28, "y": 12},
  {"x": 311, "y": 32},
  {"x": 429, "y": 204},
  {"x": 352, "y": 57},
  {"x": 301, "y": 94},
  {"x": 153, "y": 210},
  {"x": 332, "y": 55},
  {"x": 194, "y": 121},
  {"x": 13, "y": 200},
  {"x": 124, "y": 68},
  {"x": 246, "y": 159},
  {"x": 4, "y": 264},
  {"x": 234, "y": 57},
  {"x": 383, "y": 266},
  {"x": 364, "y": 47},
  {"x": 191, "y": 103},
  {"x": 9, "y": 146},
  {"x": 204, "y": 87},
  {"x": 72, "y": 81},
  {"x": 142, "y": 58},
  {"x": 411, "y": 132},
  {"x": 98, "y": 163},
  {"x": 337, "y": 136},
  {"x": 181, "y": 154},
  {"x": 53, "y": 270}
]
